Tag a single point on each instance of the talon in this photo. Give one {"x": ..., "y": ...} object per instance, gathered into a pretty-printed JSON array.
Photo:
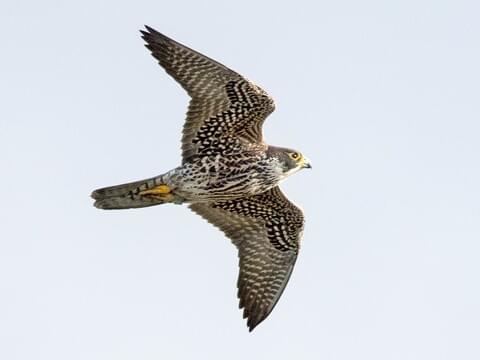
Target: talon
[{"x": 157, "y": 190}]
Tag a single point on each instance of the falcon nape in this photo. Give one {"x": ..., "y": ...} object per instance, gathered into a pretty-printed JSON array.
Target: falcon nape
[{"x": 229, "y": 175}]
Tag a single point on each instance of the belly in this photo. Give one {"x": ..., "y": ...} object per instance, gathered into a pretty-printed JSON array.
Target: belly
[{"x": 216, "y": 183}]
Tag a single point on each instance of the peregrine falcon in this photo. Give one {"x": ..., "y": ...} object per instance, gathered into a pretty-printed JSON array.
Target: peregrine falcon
[{"x": 228, "y": 175}]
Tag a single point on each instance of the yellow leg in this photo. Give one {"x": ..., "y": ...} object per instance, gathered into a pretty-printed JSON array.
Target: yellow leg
[{"x": 157, "y": 190}]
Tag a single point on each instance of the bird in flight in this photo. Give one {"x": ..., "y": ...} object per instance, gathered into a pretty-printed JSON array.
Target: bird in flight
[{"x": 228, "y": 175}]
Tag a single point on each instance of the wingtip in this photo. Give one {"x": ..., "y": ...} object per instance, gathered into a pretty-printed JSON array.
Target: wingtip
[
  {"x": 152, "y": 36},
  {"x": 150, "y": 30},
  {"x": 145, "y": 34},
  {"x": 253, "y": 319},
  {"x": 252, "y": 324}
]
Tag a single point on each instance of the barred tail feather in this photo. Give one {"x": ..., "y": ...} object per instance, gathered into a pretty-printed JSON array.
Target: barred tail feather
[
  {"x": 119, "y": 202},
  {"x": 127, "y": 196},
  {"x": 126, "y": 189}
]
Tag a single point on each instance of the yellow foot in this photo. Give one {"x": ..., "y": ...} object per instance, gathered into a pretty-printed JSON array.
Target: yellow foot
[{"x": 157, "y": 190}]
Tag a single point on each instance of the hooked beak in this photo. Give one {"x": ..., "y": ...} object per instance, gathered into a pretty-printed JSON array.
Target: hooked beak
[{"x": 306, "y": 164}]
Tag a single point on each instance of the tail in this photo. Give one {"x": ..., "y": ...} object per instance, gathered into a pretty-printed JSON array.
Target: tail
[{"x": 138, "y": 194}]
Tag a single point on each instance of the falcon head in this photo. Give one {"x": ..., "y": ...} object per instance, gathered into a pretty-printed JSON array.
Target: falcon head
[{"x": 290, "y": 160}]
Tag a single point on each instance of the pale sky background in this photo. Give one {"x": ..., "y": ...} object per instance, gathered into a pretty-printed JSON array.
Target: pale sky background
[{"x": 382, "y": 96}]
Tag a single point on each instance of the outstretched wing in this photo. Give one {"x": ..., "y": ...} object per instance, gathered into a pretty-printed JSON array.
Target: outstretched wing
[
  {"x": 266, "y": 229},
  {"x": 226, "y": 111}
]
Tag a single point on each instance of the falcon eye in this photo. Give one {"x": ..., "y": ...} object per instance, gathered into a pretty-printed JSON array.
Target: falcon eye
[{"x": 295, "y": 156}]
